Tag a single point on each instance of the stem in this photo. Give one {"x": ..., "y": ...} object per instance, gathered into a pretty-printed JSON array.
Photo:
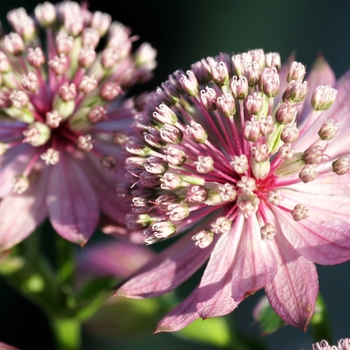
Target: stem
[
  {"x": 65, "y": 260},
  {"x": 66, "y": 332}
]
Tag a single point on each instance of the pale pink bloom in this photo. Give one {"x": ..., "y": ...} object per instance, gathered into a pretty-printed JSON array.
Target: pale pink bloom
[
  {"x": 236, "y": 156},
  {"x": 63, "y": 119},
  {"x": 343, "y": 344}
]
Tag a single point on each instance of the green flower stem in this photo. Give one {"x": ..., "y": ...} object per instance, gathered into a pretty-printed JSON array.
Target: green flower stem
[
  {"x": 67, "y": 333},
  {"x": 65, "y": 261}
]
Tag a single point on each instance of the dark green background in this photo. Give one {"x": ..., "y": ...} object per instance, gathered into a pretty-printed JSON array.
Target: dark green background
[{"x": 184, "y": 31}]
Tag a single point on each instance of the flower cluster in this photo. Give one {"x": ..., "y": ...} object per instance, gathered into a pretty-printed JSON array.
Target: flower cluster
[
  {"x": 62, "y": 118},
  {"x": 343, "y": 344},
  {"x": 243, "y": 155}
]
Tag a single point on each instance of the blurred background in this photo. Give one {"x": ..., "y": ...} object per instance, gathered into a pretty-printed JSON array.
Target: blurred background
[{"x": 183, "y": 32}]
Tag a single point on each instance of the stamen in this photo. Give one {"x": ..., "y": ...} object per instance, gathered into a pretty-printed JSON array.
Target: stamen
[
  {"x": 85, "y": 142},
  {"x": 240, "y": 164},
  {"x": 268, "y": 232},
  {"x": 300, "y": 212},
  {"x": 308, "y": 173},
  {"x": 20, "y": 184},
  {"x": 341, "y": 166},
  {"x": 323, "y": 97},
  {"x": 108, "y": 162},
  {"x": 178, "y": 211},
  {"x": 203, "y": 238},
  {"x": 204, "y": 164},
  {"x": 53, "y": 119},
  {"x": 51, "y": 156},
  {"x": 196, "y": 133},
  {"x": 221, "y": 225},
  {"x": 328, "y": 130},
  {"x": 274, "y": 197}
]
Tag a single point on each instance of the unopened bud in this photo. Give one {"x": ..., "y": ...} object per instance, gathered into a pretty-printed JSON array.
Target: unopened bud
[{"x": 323, "y": 97}]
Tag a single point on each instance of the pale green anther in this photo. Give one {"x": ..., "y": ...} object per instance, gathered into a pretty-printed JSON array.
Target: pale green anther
[
  {"x": 3, "y": 148},
  {"x": 44, "y": 133},
  {"x": 265, "y": 108},
  {"x": 9, "y": 80},
  {"x": 260, "y": 170},
  {"x": 97, "y": 70},
  {"x": 64, "y": 109},
  {"x": 23, "y": 115},
  {"x": 214, "y": 196},
  {"x": 192, "y": 180},
  {"x": 291, "y": 166},
  {"x": 73, "y": 65},
  {"x": 274, "y": 141},
  {"x": 79, "y": 120}
]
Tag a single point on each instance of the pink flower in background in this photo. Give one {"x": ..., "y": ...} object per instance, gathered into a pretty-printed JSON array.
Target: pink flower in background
[
  {"x": 63, "y": 118},
  {"x": 343, "y": 344},
  {"x": 251, "y": 163},
  {"x": 4, "y": 346},
  {"x": 112, "y": 258}
]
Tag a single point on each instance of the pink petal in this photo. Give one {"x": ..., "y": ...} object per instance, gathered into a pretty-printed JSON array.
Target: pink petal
[
  {"x": 323, "y": 238},
  {"x": 13, "y": 163},
  {"x": 72, "y": 203},
  {"x": 105, "y": 187},
  {"x": 180, "y": 316},
  {"x": 21, "y": 214},
  {"x": 214, "y": 292},
  {"x": 167, "y": 271},
  {"x": 293, "y": 292},
  {"x": 255, "y": 263}
]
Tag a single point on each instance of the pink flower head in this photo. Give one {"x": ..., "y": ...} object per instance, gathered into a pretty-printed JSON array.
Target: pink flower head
[
  {"x": 257, "y": 180},
  {"x": 61, "y": 114},
  {"x": 343, "y": 344}
]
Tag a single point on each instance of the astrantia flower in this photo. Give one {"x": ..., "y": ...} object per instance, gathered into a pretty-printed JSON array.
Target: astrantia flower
[
  {"x": 62, "y": 118},
  {"x": 343, "y": 344},
  {"x": 244, "y": 158}
]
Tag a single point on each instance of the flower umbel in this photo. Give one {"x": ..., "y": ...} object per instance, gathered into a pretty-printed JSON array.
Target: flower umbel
[
  {"x": 343, "y": 344},
  {"x": 61, "y": 112},
  {"x": 248, "y": 174}
]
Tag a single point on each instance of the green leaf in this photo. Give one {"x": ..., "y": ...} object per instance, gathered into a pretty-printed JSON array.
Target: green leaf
[
  {"x": 214, "y": 331},
  {"x": 320, "y": 323},
  {"x": 268, "y": 320},
  {"x": 124, "y": 318}
]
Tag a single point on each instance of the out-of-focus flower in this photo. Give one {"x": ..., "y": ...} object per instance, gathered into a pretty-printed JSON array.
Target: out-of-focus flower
[
  {"x": 246, "y": 159},
  {"x": 112, "y": 259},
  {"x": 63, "y": 118},
  {"x": 343, "y": 344},
  {"x": 4, "y": 346}
]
